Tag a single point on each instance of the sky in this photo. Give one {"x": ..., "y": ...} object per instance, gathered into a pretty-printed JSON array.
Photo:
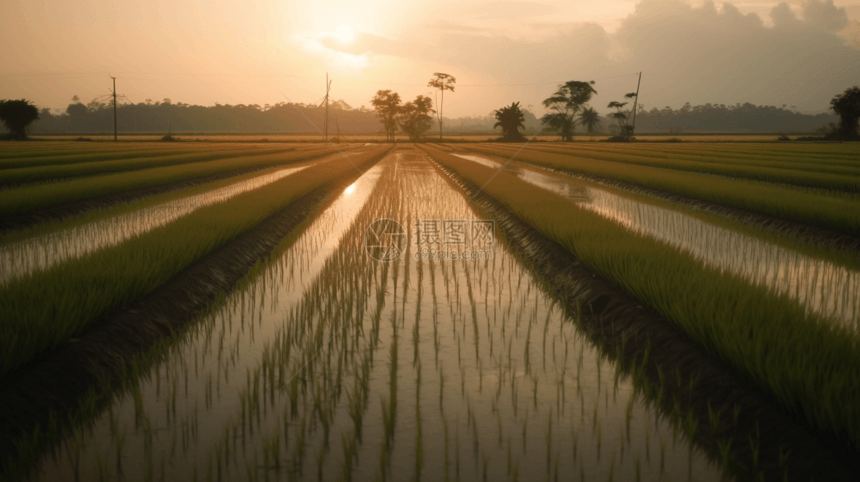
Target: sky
[{"x": 798, "y": 53}]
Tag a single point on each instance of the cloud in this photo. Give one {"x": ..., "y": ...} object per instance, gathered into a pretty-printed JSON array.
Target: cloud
[
  {"x": 705, "y": 54},
  {"x": 689, "y": 53},
  {"x": 825, "y": 16}
]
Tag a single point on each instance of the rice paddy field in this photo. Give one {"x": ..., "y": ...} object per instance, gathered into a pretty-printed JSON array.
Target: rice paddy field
[{"x": 436, "y": 311}]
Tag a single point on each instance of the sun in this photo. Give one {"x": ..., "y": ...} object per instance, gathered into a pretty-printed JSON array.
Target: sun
[{"x": 343, "y": 34}]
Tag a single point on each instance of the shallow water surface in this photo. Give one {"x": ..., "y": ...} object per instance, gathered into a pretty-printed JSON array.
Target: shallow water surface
[
  {"x": 328, "y": 363},
  {"x": 830, "y": 290},
  {"x": 41, "y": 252}
]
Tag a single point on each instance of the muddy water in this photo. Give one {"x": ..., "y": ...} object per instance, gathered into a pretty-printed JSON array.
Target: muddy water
[
  {"x": 332, "y": 364},
  {"x": 823, "y": 287},
  {"x": 41, "y": 252}
]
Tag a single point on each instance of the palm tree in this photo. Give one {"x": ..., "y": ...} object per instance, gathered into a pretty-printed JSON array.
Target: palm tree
[
  {"x": 590, "y": 119},
  {"x": 565, "y": 104},
  {"x": 510, "y": 119},
  {"x": 442, "y": 82}
]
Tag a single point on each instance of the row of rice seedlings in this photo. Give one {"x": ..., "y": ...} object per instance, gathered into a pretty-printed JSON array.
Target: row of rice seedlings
[
  {"x": 57, "y": 154},
  {"x": 825, "y": 286},
  {"x": 40, "y": 174},
  {"x": 473, "y": 424},
  {"x": 695, "y": 159},
  {"x": 834, "y": 154},
  {"x": 322, "y": 410},
  {"x": 29, "y": 198},
  {"x": 146, "y": 262},
  {"x": 299, "y": 345},
  {"x": 796, "y": 356},
  {"x": 839, "y": 179},
  {"x": 824, "y": 154},
  {"x": 34, "y": 254},
  {"x": 806, "y": 208}
]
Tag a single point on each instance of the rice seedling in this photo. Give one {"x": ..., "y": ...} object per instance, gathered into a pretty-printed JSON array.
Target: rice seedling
[
  {"x": 53, "y": 172},
  {"x": 801, "y": 174},
  {"x": 74, "y": 156},
  {"x": 724, "y": 328},
  {"x": 299, "y": 325},
  {"x": 812, "y": 209},
  {"x": 24, "y": 199},
  {"x": 147, "y": 261}
]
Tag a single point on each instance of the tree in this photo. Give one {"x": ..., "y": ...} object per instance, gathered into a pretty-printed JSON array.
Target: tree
[
  {"x": 510, "y": 119},
  {"x": 847, "y": 106},
  {"x": 442, "y": 82},
  {"x": 387, "y": 104},
  {"x": 414, "y": 117},
  {"x": 16, "y": 116},
  {"x": 75, "y": 110},
  {"x": 564, "y": 104},
  {"x": 620, "y": 116},
  {"x": 590, "y": 119}
]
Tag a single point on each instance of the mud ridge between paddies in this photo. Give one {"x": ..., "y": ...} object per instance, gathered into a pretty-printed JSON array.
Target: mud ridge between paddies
[
  {"x": 63, "y": 211},
  {"x": 693, "y": 381},
  {"x": 57, "y": 381},
  {"x": 803, "y": 232}
]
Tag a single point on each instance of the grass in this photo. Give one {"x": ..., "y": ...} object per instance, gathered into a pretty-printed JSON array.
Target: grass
[
  {"x": 17, "y": 201},
  {"x": 806, "y": 363},
  {"x": 826, "y": 212},
  {"x": 48, "y": 307},
  {"x": 12, "y": 177}
]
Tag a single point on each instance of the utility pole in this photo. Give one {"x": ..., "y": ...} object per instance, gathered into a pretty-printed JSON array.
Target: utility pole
[
  {"x": 114, "y": 109},
  {"x": 636, "y": 103},
  {"x": 327, "y": 87}
]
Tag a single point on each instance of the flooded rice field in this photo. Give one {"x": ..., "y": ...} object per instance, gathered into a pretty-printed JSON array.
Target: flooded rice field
[
  {"x": 396, "y": 335},
  {"x": 823, "y": 287},
  {"x": 328, "y": 363},
  {"x": 39, "y": 253}
]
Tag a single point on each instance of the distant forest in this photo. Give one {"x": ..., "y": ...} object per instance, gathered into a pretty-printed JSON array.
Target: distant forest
[
  {"x": 169, "y": 117},
  {"x": 732, "y": 118}
]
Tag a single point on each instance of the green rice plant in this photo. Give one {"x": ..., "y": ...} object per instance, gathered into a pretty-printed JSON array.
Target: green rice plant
[
  {"x": 485, "y": 464},
  {"x": 790, "y": 204},
  {"x": 419, "y": 439},
  {"x": 753, "y": 154},
  {"x": 24, "y": 199},
  {"x": 805, "y": 362},
  {"x": 26, "y": 175},
  {"x": 146, "y": 262},
  {"x": 804, "y": 173},
  {"x": 662, "y": 456},
  {"x": 447, "y": 457},
  {"x": 77, "y": 156}
]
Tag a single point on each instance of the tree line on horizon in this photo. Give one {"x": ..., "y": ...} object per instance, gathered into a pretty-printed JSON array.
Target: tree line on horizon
[{"x": 567, "y": 108}]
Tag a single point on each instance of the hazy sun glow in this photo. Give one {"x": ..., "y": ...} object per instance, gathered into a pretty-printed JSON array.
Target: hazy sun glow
[{"x": 343, "y": 34}]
